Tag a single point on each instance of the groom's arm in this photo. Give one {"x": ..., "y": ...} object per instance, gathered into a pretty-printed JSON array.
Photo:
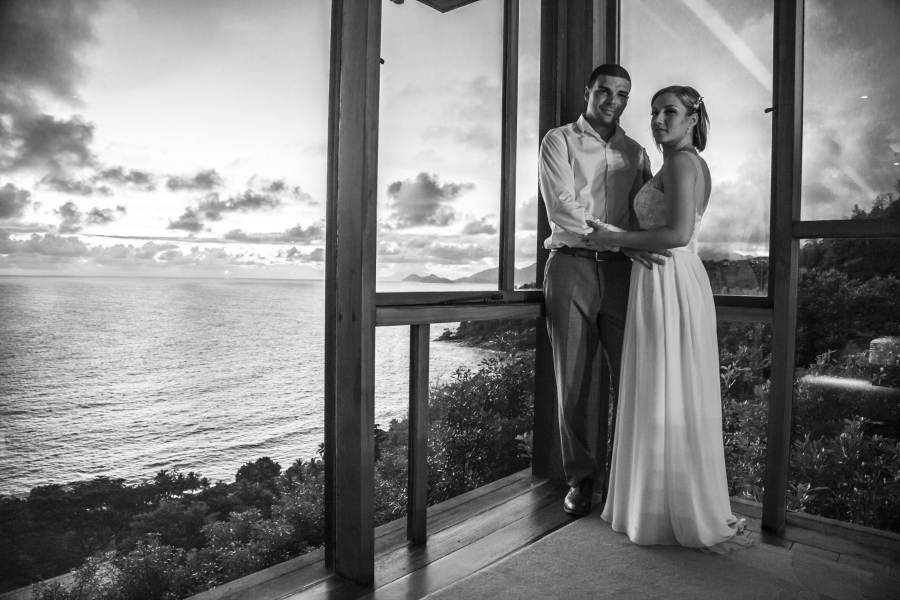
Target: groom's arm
[{"x": 557, "y": 183}]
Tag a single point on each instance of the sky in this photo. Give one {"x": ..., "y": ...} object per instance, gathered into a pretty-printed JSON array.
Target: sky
[{"x": 174, "y": 138}]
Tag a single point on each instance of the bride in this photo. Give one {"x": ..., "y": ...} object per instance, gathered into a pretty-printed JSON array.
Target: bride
[{"x": 667, "y": 481}]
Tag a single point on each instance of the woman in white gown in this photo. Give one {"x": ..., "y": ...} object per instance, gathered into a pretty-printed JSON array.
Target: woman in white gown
[{"x": 667, "y": 480}]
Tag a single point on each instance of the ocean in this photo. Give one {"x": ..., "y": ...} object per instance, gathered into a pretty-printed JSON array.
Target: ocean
[{"x": 123, "y": 377}]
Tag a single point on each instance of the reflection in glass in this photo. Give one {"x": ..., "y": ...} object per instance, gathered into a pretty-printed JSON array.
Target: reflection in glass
[
  {"x": 851, "y": 137},
  {"x": 845, "y": 456},
  {"x": 439, "y": 142},
  {"x": 723, "y": 48}
]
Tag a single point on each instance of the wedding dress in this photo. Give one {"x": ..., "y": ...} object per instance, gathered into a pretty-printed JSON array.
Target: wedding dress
[{"x": 667, "y": 480}]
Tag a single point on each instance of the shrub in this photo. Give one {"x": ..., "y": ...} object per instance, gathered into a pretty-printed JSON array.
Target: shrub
[{"x": 476, "y": 420}]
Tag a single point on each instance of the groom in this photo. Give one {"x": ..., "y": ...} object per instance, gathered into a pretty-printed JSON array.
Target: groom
[{"x": 589, "y": 171}]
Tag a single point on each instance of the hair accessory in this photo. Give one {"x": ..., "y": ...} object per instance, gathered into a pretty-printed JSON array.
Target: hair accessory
[{"x": 698, "y": 103}]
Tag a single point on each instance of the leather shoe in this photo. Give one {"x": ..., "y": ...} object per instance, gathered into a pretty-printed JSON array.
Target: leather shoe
[{"x": 578, "y": 500}]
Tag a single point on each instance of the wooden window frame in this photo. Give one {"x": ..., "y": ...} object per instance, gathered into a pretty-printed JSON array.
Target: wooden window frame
[{"x": 575, "y": 36}]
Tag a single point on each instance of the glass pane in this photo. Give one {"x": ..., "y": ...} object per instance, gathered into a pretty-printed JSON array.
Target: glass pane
[
  {"x": 745, "y": 355},
  {"x": 844, "y": 458},
  {"x": 851, "y": 139},
  {"x": 528, "y": 142},
  {"x": 481, "y": 410},
  {"x": 392, "y": 405},
  {"x": 729, "y": 62},
  {"x": 161, "y": 340},
  {"x": 439, "y": 144}
]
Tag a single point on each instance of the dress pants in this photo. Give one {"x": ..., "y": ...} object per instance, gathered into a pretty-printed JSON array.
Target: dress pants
[{"x": 586, "y": 301}]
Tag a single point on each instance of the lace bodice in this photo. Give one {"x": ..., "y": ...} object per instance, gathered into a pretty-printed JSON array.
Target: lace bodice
[{"x": 650, "y": 205}]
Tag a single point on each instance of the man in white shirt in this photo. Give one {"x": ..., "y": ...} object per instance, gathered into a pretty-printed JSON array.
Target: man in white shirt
[{"x": 590, "y": 172}]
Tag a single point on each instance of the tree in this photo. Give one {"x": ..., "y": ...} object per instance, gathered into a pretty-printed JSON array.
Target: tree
[{"x": 860, "y": 259}]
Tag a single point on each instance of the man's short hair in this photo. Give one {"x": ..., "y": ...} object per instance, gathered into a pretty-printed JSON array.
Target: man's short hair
[{"x": 610, "y": 70}]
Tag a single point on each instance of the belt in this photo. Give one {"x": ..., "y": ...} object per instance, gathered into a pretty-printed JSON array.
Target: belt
[{"x": 604, "y": 256}]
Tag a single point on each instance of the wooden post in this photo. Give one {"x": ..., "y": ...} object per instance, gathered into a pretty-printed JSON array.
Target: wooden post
[
  {"x": 787, "y": 131},
  {"x": 576, "y": 36},
  {"x": 417, "y": 492},
  {"x": 350, "y": 289},
  {"x": 508, "y": 157}
]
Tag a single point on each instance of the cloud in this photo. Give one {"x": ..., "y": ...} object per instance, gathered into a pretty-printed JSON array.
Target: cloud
[
  {"x": 451, "y": 249},
  {"x": 737, "y": 216},
  {"x": 98, "y": 184},
  {"x": 479, "y": 227},
  {"x": 526, "y": 215},
  {"x": 69, "y": 253},
  {"x": 47, "y": 143},
  {"x": 312, "y": 234},
  {"x": 295, "y": 255},
  {"x": 71, "y": 218},
  {"x": 188, "y": 221},
  {"x": 98, "y": 216},
  {"x": 13, "y": 201},
  {"x": 475, "y": 114},
  {"x": 140, "y": 180},
  {"x": 203, "y": 180},
  {"x": 213, "y": 207},
  {"x": 48, "y": 245},
  {"x": 424, "y": 201},
  {"x": 39, "y": 48},
  {"x": 65, "y": 185},
  {"x": 851, "y": 137}
]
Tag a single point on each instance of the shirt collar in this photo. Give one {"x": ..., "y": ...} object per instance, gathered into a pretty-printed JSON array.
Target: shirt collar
[{"x": 585, "y": 127}]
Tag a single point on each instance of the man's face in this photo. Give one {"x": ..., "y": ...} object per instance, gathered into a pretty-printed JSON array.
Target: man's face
[{"x": 606, "y": 99}]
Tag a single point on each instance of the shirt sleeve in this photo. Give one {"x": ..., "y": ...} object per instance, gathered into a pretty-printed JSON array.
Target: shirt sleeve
[{"x": 558, "y": 186}]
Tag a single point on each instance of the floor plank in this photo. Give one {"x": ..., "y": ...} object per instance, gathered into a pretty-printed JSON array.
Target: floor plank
[
  {"x": 475, "y": 557},
  {"x": 881, "y": 570},
  {"x": 400, "y": 562},
  {"x": 814, "y": 551},
  {"x": 883, "y": 556}
]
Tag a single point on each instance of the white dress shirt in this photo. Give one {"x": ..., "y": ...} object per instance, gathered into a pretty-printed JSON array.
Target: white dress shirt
[{"x": 585, "y": 179}]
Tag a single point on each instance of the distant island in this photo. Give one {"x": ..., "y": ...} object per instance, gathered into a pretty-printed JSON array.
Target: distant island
[
  {"x": 492, "y": 275},
  {"x": 745, "y": 275}
]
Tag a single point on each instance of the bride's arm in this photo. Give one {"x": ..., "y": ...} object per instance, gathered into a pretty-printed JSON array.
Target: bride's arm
[{"x": 679, "y": 178}]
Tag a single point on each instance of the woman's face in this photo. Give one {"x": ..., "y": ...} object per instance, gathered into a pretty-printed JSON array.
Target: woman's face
[{"x": 670, "y": 121}]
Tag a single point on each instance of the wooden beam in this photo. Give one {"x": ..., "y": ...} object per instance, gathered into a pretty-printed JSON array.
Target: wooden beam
[
  {"x": 744, "y": 315},
  {"x": 552, "y": 38},
  {"x": 846, "y": 228},
  {"x": 744, "y": 301},
  {"x": 350, "y": 289},
  {"x": 783, "y": 264},
  {"x": 610, "y": 23},
  {"x": 406, "y": 298},
  {"x": 417, "y": 492},
  {"x": 389, "y": 316},
  {"x": 508, "y": 146}
]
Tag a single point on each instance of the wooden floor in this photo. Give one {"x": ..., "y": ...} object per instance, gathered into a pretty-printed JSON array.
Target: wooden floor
[
  {"x": 470, "y": 532},
  {"x": 465, "y": 534}
]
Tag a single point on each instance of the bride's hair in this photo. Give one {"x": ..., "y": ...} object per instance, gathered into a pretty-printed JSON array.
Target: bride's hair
[{"x": 694, "y": 103}]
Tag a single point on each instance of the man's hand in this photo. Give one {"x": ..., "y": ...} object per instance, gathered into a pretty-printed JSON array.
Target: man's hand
[
  {"x": 600, "y": 237},
  {"x": 646, "y": 257}
]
